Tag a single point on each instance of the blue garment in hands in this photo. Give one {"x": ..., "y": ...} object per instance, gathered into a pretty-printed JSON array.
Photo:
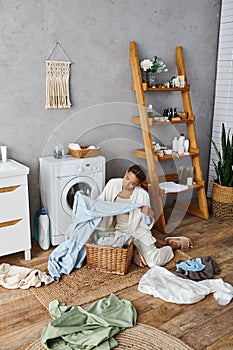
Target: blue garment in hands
[{"x": 87, "y": 214}]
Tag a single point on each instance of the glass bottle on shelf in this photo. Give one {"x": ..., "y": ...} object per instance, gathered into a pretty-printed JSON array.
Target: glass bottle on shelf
[
  {"x": 150, "y": 111},
  {"x": 165, "y": 112},
  {"x": 170, "y": 113},
  {"x": 175, "y": 112}
]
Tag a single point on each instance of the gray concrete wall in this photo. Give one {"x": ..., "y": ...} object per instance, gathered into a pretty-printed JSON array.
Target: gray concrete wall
[{"x": 96, "y": 34}]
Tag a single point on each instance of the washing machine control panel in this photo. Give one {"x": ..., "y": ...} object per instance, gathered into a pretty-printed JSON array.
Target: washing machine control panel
[
  {"x": 87, "y": 168},
  {"x": 73, "y": 166}
]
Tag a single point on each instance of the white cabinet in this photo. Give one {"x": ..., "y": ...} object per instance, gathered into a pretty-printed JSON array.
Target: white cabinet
[{"x": 15, "y": 235}]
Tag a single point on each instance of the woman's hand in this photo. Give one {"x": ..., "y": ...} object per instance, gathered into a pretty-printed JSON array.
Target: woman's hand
[{"x": 145, "y": 209}]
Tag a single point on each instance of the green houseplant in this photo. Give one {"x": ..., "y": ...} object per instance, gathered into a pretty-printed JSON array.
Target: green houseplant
[
  {"x": 224, "y": 166},
  {"x": 222, "y": 193}
]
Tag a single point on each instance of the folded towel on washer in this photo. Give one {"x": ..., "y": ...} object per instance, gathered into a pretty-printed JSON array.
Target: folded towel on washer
[{"x": 87, "y": 214}]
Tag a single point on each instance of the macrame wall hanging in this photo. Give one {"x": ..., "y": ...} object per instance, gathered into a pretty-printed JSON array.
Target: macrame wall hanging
[{"x": 57, "y": 81}]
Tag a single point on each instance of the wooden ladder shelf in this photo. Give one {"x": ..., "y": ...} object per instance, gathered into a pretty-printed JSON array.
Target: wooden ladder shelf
[{"x": 147, "y": 153}]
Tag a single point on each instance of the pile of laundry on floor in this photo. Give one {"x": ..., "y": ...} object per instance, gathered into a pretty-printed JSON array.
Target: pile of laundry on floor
[
  {"x": 92, "y": 327},
  {"x": 191, "y": 282},
  {"x": 13, "y": 277}
]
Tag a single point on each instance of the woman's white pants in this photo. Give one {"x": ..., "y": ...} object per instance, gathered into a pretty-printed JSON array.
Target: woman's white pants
[{"x": 153, "y": 255}]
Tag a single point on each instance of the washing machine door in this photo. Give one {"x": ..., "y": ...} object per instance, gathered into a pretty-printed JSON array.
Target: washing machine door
[{"x": 85, "y": 185}]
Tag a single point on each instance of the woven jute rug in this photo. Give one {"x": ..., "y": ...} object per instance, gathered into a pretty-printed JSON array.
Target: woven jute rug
[
  {"x": 140, "y": 337},
  {"x": 86, "y": 285}
]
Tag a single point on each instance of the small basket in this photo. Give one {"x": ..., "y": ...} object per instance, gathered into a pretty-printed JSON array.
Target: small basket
[
  {"x": 109, "y": 259},
  {"x": 84, "y": 152}
]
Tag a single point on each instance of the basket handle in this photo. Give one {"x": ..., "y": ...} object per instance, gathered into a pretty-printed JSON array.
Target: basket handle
[{"x": 131, "y": 239}]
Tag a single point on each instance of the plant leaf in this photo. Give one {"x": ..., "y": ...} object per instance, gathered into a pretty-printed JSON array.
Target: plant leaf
[{"x": 224, "y": 167}]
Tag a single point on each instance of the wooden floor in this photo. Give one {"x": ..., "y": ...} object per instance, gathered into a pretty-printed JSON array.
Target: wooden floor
[{"x": 204, "y": 325}]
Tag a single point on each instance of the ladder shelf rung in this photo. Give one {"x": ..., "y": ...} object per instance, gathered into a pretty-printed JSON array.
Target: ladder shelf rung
[
  {"x": 146, "y": 88},
  {"x": 187, "y": 88},
  {"x": 151, "y": 121},
  {"x": 140, "y": 153}
]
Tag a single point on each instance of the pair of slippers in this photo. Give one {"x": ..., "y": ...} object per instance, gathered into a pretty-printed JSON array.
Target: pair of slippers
[{"x": 182, "y": 243}]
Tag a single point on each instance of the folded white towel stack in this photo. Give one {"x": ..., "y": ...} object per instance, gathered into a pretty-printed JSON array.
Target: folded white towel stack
[
  {"x": 74, "y": 146},
  {"x": 172, "y": 187}
]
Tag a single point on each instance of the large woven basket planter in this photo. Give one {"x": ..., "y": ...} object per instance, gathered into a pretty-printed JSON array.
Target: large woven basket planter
[{"x": 222, "y": 201}]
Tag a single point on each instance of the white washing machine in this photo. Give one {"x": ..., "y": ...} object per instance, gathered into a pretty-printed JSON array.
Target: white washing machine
[{"x": 60, "y": 179}]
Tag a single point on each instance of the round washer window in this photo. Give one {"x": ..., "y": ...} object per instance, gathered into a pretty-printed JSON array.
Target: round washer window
[
  {"x": 85, "y": 185},
  {"x": 82, "y": 187}
]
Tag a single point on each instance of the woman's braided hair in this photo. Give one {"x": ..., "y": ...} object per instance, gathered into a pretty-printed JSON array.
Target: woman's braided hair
[{"x": 138, "y": 172}]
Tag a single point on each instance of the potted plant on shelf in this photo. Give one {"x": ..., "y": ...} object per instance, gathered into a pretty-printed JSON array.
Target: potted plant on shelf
[
  {"x": 150, "y": 68},
  {"x": 222, "y": 192}
]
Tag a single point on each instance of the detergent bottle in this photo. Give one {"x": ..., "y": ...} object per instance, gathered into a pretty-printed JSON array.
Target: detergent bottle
[
  {"x": 43, "y": 230},
  {"x": 36, "y": 224}
]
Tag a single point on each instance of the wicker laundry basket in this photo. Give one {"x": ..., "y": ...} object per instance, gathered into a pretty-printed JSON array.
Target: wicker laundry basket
[
  {"x": 109, "y": 259},
  {"x": 84, "y": 152},
  {"x": 222, "y": 201}
]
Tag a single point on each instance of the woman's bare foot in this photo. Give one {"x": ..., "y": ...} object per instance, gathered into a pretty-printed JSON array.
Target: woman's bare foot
[{"x": 138, "y": 259}]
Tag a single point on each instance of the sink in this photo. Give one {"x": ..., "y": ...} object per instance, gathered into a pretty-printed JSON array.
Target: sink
[{"x": 12, "y": 168}]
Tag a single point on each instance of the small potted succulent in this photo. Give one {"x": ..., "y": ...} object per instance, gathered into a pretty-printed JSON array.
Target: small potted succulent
[
  {"x": 150, "y": 68},
  {"x": 222, "y": 192}
]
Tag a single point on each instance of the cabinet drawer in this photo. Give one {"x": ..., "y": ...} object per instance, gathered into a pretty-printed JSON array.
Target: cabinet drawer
[
  {"x": 13, "y": 202},
  {"x": 12, "y": 181},
  {"x": 14, "y": 237}
]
